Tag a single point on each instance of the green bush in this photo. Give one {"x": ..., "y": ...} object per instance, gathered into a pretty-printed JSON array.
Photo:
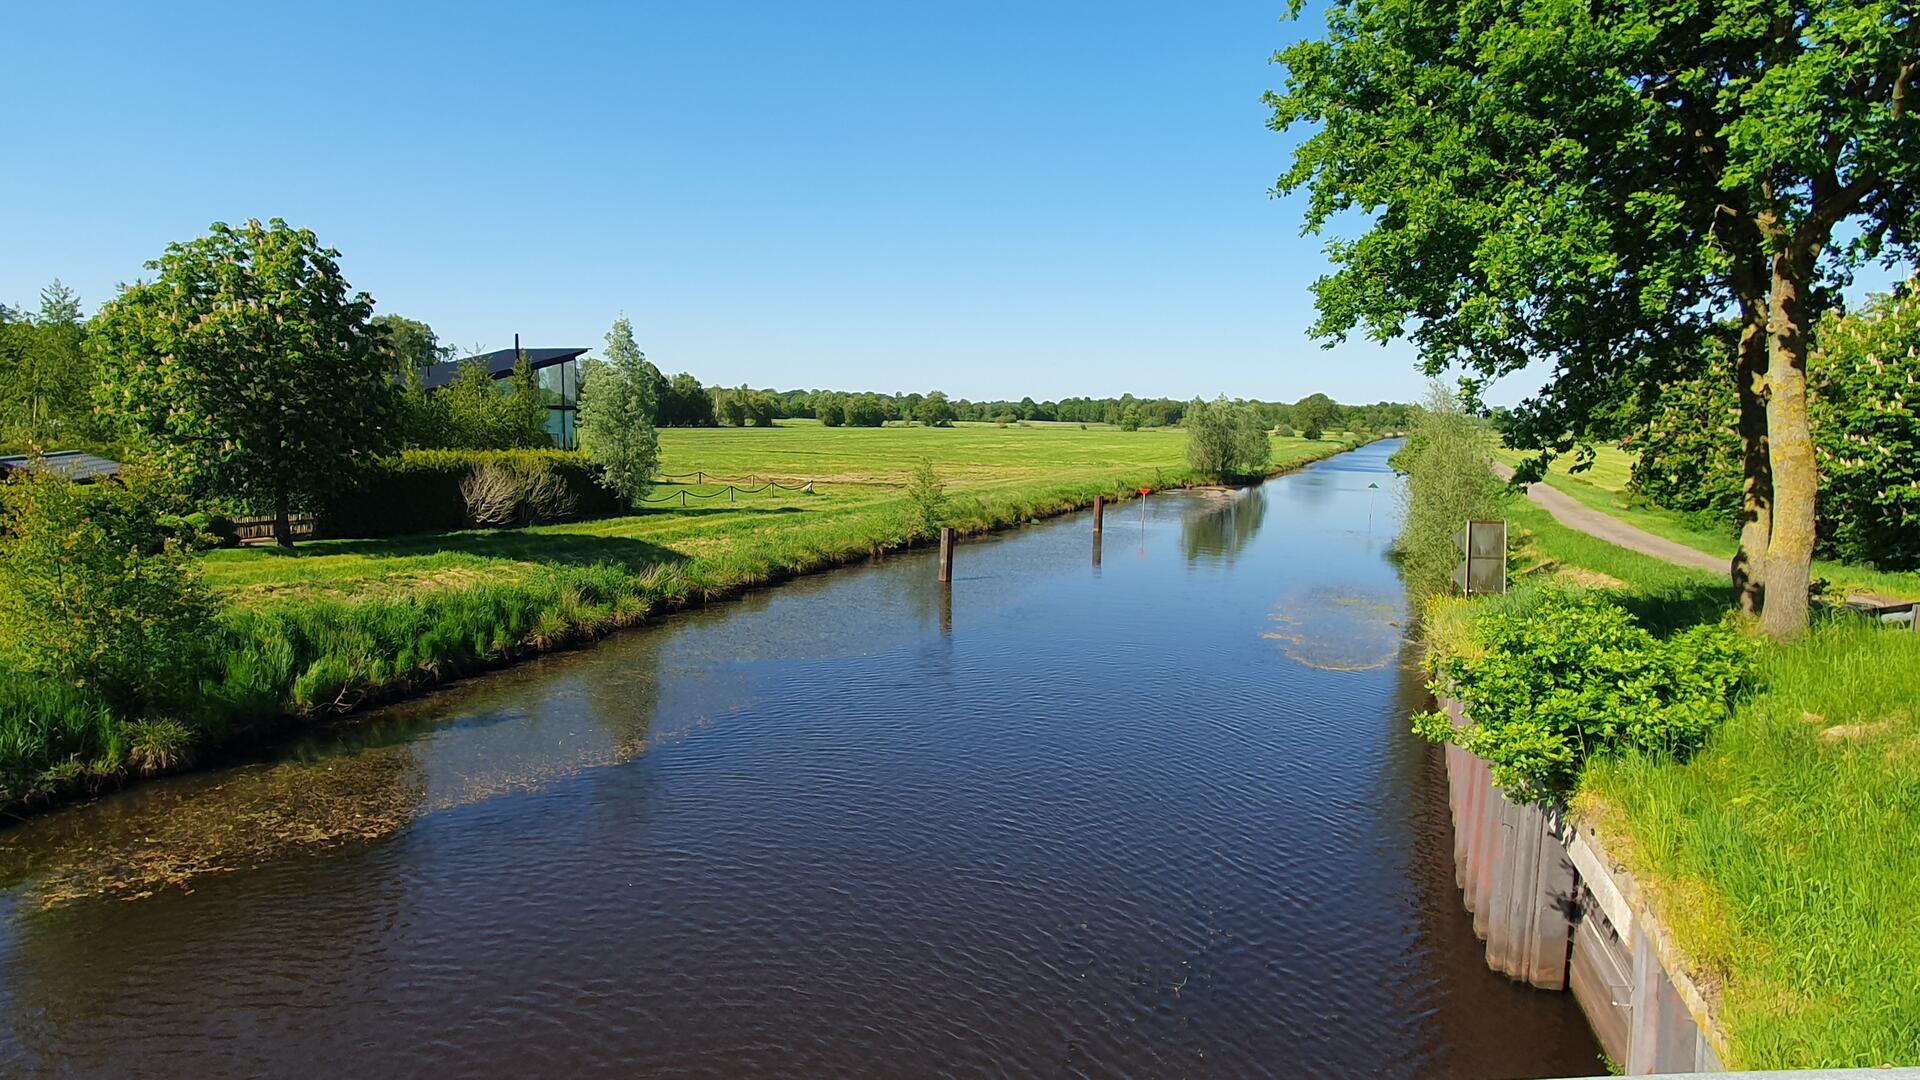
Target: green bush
[
  {"x": 1550, "y": 679},
  {"x": 927, "y": 497},
  {"x": 100, "y": 621},
  {"x": 1866, "y": 429},
  {"x": 1448, "y": 463},
  {"x": 420, "y": 491},
  {"x": 87, "y": 602}
]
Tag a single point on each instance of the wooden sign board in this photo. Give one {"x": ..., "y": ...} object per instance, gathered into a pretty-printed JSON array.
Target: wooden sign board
[{"x": 1483, "y": 568}]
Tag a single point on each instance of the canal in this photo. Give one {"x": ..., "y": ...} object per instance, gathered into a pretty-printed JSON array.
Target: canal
[{"x": 1145, "y": 808}]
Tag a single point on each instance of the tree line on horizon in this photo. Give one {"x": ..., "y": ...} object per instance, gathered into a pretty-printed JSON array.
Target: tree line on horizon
[{"x": 47, "y": 400}]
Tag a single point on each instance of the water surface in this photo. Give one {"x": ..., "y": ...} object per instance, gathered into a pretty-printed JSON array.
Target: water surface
[{"x": 1145, "y": 807}]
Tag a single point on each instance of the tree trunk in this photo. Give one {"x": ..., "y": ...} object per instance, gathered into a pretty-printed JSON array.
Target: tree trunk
[
  {"x": 282, "y": 523},
  {"x": 1756, "y": 501},
  {"x": 1789, "y": 564}
]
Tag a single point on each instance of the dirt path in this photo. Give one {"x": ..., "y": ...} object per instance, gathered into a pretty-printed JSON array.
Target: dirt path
[{"x": 1574, "y": 514}]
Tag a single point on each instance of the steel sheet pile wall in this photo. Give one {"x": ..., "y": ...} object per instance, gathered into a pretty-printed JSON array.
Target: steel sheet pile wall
[{"x": 1556, "y": 914}]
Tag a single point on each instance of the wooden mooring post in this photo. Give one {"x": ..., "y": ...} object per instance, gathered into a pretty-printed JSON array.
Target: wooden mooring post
[
  {"x": 1099, "y": 510},
  {"x": 947, "y": 536}
]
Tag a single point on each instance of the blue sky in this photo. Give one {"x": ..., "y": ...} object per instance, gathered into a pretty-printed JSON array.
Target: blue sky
[{"x": 991, "y": 199}]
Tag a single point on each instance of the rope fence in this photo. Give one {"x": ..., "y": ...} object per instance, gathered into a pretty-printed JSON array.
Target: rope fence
[
  {"x": 752, "y": 480},
  {"x": 732, "y": 489}
]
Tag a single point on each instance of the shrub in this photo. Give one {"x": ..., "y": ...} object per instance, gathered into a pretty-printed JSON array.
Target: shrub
[
  {"x": 420, "y": 491},
  {"x": 1551, "y": 679},
  {"x": 929, "y": 499},
  {"x": 510, "y": 492},
  {"x": 86, "y": 599},
  {"x": 1225, "y": 439},
  {"x": 1448, "y": 463}
]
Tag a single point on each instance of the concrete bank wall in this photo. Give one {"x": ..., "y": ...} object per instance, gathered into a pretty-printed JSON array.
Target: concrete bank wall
[{"x": 1557, "y": 914}]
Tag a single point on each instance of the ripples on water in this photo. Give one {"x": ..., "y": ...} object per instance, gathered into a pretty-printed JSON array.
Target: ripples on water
[{"x": 1150, "y": 813}]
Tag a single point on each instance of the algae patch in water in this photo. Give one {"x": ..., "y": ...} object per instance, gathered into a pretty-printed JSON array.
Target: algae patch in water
[
  {"x": 141, "y": 843},
  {"x": 141, "y": 846},
  {"x": 1338, "y": 631}
]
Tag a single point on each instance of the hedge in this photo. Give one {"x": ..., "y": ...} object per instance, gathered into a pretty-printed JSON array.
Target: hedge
[{"x": 419, "y": 491}]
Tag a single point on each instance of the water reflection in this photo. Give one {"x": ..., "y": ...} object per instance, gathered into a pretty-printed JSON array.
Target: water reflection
[{"x": 1218, "y": 533}]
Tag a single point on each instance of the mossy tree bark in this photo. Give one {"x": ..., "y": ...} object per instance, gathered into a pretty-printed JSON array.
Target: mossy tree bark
[{"x": 1789, "y": 563}]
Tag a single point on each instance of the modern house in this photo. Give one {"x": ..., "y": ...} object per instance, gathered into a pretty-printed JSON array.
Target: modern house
[{"x": 558, "y": 371}]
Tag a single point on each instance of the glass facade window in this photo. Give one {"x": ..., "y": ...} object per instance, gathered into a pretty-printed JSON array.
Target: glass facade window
[{"x": 560, "y": 388}]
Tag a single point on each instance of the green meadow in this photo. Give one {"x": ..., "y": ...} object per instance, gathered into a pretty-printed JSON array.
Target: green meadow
[{"x": 994, "y": 476}]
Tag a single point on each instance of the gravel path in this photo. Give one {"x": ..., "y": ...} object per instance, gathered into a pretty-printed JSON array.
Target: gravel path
[{"x": 1575, "y": 514}]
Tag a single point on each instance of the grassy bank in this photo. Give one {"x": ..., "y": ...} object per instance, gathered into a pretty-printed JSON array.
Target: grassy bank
[
  {"x": 1604, "y": 488},
  {"x": 332, "y": 625},
  {"x": 1780, "y": 857}
]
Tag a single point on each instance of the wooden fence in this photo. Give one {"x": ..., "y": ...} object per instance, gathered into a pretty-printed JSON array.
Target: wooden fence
[{"x": 258, "y": 529}]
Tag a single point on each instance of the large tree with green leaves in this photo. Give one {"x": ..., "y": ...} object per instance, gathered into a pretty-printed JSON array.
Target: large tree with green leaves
[
  {"x": 617, "y": 409},
  {"x": 1226, "y": 439},
  {"x": 1312, "y": 414},
  {"x": 1593, "y": 185},
  {"x": 248, "y": 368}
]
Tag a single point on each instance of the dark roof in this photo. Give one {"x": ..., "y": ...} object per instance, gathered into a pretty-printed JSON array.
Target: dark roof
[
  {"x": 499, "y": 364},
  {"x": 72, "y": 464}
]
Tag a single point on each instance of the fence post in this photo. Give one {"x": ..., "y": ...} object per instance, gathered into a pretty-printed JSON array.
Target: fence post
[
  {"x": 1099, "y": 510},
  {"x": 699, "y": 476},
  {"x": 683, "y": 498},
  {"x": 730, "y": 493},
  {"x": 946, "y": 554}
]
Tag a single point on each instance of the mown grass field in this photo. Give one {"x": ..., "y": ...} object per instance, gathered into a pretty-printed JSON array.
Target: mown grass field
[
  {"x": 1604, "y": 488},
  {"x": 1781, "y": 857},
  {"x": 859, "y": 477}
]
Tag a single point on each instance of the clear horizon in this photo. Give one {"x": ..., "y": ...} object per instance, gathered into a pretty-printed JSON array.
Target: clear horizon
[{"x": 996, "y": 203}]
